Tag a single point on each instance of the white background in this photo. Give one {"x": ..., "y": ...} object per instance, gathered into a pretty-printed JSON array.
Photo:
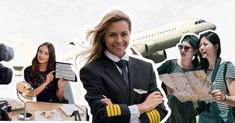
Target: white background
[{"x": 25, "y": 24}]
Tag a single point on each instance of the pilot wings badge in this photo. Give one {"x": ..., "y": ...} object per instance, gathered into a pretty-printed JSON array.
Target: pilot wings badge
[{"x": 140, "y": 91}]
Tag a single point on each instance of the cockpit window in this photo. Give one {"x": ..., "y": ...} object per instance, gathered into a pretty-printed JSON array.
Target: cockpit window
[{"x": 200, "y": 21}]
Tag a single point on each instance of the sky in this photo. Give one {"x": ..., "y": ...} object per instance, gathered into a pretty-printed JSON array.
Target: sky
[{"x": 25, "y": 24}]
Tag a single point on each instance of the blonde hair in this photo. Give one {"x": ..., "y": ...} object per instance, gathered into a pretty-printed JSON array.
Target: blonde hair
[{"x": 96, "y": 35}]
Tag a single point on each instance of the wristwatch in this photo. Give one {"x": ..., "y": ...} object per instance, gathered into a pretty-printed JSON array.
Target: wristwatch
[{"x": 224, "y": 99}]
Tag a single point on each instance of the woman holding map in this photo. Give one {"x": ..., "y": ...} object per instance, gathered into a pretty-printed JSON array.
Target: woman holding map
[
  {"x": 188, "y": 47},
  {"x": 222, "y": 75}
]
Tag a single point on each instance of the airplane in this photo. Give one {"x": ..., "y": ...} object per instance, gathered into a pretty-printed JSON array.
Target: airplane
[{"x": 151, "y": 44}]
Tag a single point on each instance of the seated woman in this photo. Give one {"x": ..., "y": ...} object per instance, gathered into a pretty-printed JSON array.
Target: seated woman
[{"x": 40, "y": 76}]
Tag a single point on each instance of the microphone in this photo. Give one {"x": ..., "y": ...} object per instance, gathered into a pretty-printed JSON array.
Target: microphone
[{"x": 6, "y": 54}]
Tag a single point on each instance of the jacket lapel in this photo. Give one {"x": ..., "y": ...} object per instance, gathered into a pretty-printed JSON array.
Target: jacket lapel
[
  {"x": 132, "y": 69},
  {"x": 112, "y": 71}
]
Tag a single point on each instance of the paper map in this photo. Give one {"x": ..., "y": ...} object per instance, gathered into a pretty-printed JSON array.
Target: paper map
[{"x": 189, "y": 86}]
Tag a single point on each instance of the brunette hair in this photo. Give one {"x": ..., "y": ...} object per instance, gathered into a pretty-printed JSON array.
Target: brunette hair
[
  {"x": 212, "y": 37},
  {"x": 193, "y": 40},
  {"x": 51, "y": 61}
]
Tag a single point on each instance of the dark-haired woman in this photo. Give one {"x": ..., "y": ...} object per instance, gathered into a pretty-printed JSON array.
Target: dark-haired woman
[
  {"x": 40, "y": 76},
  {"x": 181, "y": 112},
  {"x": 222, "y": 75}
]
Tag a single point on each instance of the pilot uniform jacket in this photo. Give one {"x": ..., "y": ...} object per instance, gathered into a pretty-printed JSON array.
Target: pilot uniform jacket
[{"x": 101, "y": 77}]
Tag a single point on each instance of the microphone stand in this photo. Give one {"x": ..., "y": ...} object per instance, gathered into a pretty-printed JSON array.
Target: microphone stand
[{"x": 77, "y": 115}]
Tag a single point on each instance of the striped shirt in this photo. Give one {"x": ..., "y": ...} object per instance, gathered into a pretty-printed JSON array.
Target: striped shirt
[{"x": 220, "y": 83}]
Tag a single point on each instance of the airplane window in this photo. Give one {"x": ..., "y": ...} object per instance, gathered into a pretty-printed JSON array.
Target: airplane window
[
  {"x": 202, "y": 21},
  {"x": 199, "y": 21}
]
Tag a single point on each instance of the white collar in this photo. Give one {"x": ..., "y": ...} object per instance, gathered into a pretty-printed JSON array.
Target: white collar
[{"x": 115, "y": 58}]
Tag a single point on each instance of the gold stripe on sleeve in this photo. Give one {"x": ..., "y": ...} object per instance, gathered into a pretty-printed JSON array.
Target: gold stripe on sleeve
[
  {"x": 108, "y": 110},
  {"x": 153, "y": 116},
  {"x": 115, "y": 110},
  {"x": 156, "y": 114},
  {"x": 150, "y": 117},
  {"x": 111, "y": 110},
  {"x": 118, "y": 110}
]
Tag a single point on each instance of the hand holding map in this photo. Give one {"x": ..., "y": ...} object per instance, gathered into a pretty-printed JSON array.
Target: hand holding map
[{"x": 189, "y": 86}]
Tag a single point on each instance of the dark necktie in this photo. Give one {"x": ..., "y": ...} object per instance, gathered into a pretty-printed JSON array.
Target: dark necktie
[{"x": 123, "y": 65}]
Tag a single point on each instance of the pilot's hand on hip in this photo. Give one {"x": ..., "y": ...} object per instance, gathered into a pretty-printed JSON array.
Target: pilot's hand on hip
[{"x": 106, "y": 100}]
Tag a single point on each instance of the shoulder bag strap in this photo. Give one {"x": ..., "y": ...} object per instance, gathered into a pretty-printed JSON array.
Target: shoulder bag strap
[{"x": 217, "y": 65}]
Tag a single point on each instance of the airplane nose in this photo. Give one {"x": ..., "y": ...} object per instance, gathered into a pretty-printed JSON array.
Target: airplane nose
[{"x": 212, "y": 26}]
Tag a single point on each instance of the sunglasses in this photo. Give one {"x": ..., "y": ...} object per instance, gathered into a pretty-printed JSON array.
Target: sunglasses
[{"x": 186, "y": 48}]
